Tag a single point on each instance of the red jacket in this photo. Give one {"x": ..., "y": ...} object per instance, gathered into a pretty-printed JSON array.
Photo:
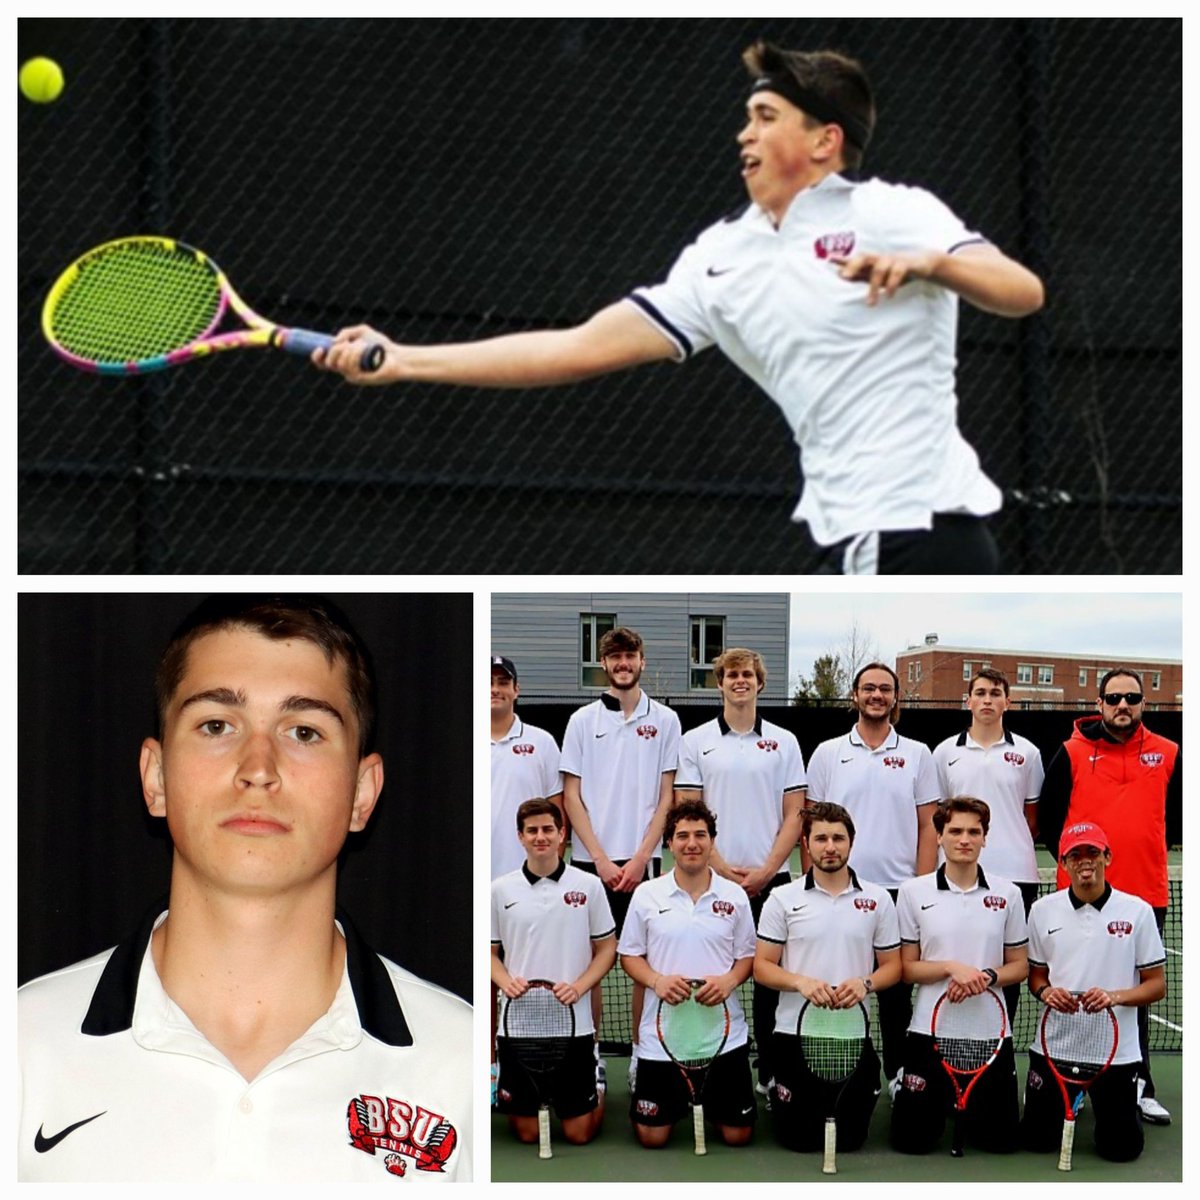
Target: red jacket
[{"x": 1122, "y": 787}]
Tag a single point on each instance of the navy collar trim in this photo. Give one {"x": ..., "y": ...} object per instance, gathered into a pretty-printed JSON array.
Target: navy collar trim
[
  {"x": 724, "y": 726},
  {"x": 943, "y": 884},
  {"x": 1097, "y": 904},
  {"x": 531, "y": 878}
]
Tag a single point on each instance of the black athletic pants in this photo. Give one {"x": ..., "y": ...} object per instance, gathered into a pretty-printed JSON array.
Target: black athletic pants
[{"x": 958, "y": 544}]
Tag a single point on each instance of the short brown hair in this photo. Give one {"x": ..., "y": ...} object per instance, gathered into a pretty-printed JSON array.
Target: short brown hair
[
  {"x": 737, "y": 655},
  {"x": 620, "y": 638},
  {"x": 538, "y": 807},
  {"x": 825, "y": 810},
  {"x": 991, "y": 674},
  {"x": 894, "y": 715},
  {"x": 1111, "y": 675},
  {"x": 967, "y": 804},
  {"x": 690, "y": 810}
]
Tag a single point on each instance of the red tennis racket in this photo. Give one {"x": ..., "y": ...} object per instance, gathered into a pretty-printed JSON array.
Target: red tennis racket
[
  {"x": 1079, "y": 1047},
  {"x": 967, "y": 1035}
]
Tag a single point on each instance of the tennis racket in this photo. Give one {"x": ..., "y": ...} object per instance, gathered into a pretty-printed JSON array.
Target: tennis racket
[
  {"x": 832, "y": 1043},
  {"x": 143, "y": 303},
  {"x": 967, "y": 1036},
  {"x": 1078, "y": 1047},
  {"x": 693, "y": 1035},
  {"x": 539, "y": 1029}
]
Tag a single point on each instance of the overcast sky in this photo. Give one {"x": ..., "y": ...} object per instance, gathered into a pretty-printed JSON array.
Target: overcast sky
[{"x": 1109, "y": 625}]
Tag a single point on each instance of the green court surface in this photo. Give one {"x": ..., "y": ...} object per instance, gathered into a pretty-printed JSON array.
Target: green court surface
[{"x": 615, "y": 1156}]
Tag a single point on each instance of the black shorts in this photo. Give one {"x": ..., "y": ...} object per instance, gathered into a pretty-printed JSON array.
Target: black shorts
[
  {"x": 618, "y": 902},
  {"x": 662, "y": 1096},
  {"x": 958, "y": 544},
  {"x": 572, "y": 1085}
]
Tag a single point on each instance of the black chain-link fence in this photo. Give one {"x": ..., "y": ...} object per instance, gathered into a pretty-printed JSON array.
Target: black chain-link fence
[{"x": 456, "y": 179}]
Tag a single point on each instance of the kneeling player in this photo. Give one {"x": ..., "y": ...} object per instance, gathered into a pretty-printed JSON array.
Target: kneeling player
[
  {"x": 689, "y": 932},
  {"x": 552, "y": 922},
  {"x": 1093, "y": 947},
  {"x": 828, "y": 938}
]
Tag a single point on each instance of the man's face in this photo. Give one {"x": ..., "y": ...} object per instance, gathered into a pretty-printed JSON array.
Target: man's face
[
  {"x": 691, "y": 845},
  {"x": 1085, "y": 867},
  {"x": 987, "y": 702},
  {"x": 258, "y": 773},
  {"x": 776, "y": 151},
  {"x": 504, "y": 692},
  {"x": 828, "y": 846},
  {"x": 542, "y": 840},
  {"x": 875, "y": 695},
  {"x": 962, "y": 838},
  {"x": 739, "y": 685},
  {"x": 623, "y": 668},
  {"x": 1122, "y": 718}
]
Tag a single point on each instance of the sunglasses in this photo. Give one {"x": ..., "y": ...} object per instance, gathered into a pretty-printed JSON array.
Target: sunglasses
[{"x": 1112, "y": 699}]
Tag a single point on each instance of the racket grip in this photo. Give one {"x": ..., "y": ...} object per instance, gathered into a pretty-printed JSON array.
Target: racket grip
[
  {"x": 829, "y": 1167},
  {"x": 305, "y": 341},
  {"x": 698, "y": 1129},
  {"x": 1068, "y": 1144},
  {"x": 544, "y": 1133}
]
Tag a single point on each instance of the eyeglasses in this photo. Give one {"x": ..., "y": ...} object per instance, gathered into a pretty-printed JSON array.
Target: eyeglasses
[
  {"x": 1112, "y": 699},
  {"x": 884, "y": 689}
]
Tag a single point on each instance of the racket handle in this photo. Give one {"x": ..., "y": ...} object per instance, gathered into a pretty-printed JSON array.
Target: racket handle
[
  {"x": 305, "y": 341},
  {"x": 544, "y": 1133},
  {"x": 698, "y": 1128},
  {"x": 830, "y": 1164},
  {"x": 1068, "y": 1144}
]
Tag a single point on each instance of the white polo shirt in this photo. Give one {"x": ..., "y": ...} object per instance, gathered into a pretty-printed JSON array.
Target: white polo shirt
[
  {"x": 547, "y": 926},
  {"x": 881, "y": 789},
  {"x": 1007, "y": 776},
  {"x": 744, "y": 777},
  {"x": 620, "y": 765},
  {"x": 677, "y": 937},
  {"x": 869, "y": 393},
  {"x": 974, "y": 927},
  {"x": 828, "y": 937},
  {"x": 524, "y": 767},
  {"x": 116, "y": 1084},
  {"x": 1102, "y": 944}
]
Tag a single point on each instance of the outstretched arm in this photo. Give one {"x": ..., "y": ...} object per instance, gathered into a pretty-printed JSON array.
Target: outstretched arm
[{"x": 614, "y": 338}]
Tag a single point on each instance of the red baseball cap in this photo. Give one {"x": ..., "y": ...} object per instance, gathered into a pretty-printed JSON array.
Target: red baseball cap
[{"x": 1082, "y": 833}]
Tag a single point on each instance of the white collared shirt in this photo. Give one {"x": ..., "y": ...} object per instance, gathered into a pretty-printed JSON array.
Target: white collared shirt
[{"x": 524, "y": 767}]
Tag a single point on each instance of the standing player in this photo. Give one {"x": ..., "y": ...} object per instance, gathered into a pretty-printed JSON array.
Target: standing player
[
  {"x": 201, "y": 1048},
  {"x": 1005, "y": 770},
  {"x": 791, "y": 291},
  {"x": 552, "y": 922},
  {"x": 960, "y": 932},
  {"x": 750, "y": 773},
  {"x": 1090, "y": 944},
  {"x": 830, "y": 938},
  {"x": 691, "y": 924},
  {"x": 618, "y": 761},
  {"x": 889, "y": 785},
  {"x": 1114, "y": 771}
]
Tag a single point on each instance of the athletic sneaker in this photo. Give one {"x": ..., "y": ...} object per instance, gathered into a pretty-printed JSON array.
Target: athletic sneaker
[
  {"x": 495, "y": 1077},
  {"x": 894, "y": 1085},
  {"x": 601, "y": 1073},
  {"x": 1151, "y": 1110},
  {"x": 632, "y": 1073}
]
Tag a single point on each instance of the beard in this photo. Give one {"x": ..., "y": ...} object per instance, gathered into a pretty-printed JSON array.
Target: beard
[{"x": 626, "y": 682}]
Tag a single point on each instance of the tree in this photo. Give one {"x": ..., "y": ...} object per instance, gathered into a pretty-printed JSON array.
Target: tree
[{"x": 829, "y": 681}]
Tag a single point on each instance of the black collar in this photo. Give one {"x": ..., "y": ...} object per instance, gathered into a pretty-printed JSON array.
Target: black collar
[
  {"x": 379, "y": 1012},
  {"x": 556, "y": 874},
  {"x": 962, "y": 738},
  {"x": 1097, "y": 904},
  {"x": 723, "y": 724},
  {"x": 943, "y": 884},
  {"x": 810, "y": 881}
]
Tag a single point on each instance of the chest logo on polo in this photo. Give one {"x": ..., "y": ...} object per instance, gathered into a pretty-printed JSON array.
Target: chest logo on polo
[
  {"x": 767, "y": 744},
  {"x": 575, "y": 899},
  {"x": 647, "y": 731},
  {"x": 996, "y": 903},
  {"x": 723, "y": 908},
  {"x": 1152, "y": 758},
  {"x": 1011, "y": 756},
  {"x": 523, "y": 748},
  {"x": 1120, "y": 929},
  {"x": 894, "y": 761},
  {"x": 407, "y": 1133},
  {"x": 829, "y": 244},
  {"x": 864, "y": 904}
]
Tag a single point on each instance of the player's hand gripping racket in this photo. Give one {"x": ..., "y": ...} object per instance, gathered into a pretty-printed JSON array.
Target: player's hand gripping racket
[
  {"x": 967, "y": 1036},
  {"x": 143, "y": 303},
  {"x": 832, "y": 1044},
  {"x": 693, "y": 1035},
  {"x": 1078, "y": 1047},
  {"x": 539, "y": 1029}
]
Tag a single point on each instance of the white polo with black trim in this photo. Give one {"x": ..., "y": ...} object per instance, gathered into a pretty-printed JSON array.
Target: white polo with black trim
[
  {"x": 678, "y": 937},
  {"x": 524, "y": 767},
  {"x": 1007, "y": 776},
  {"x": 974, "y": 927},
  {"x": 547, "y": 925},
  {"x": 1103, "y": 943},
  {"x": 825, "y": 936},
  {"x": 620, "y": 764},
  {"x": 881, "y": 789},
  {"x": 116, "y": 1084},
  {"x": 868, "y": 392},
  {"x": 744, "y": 778}
]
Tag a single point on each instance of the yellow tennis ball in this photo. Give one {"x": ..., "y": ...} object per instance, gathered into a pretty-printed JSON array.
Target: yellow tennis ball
[{"x": 41, "y": 80}]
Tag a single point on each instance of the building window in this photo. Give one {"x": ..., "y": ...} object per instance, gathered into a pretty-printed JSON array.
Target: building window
[
  {"x": 1083, "y": 676},
  {"x": 966, "y": 670},
  {"x": 917, "y": 664},
  {"x": 1024, "y": 673},
  {"x": 1045, "y": 675},
  {"x": 706, "y": 643},
  {"x": 592, "y": 627},
  {"x": 1155, "y": 680},
  {"x": 910, "y": 672}
]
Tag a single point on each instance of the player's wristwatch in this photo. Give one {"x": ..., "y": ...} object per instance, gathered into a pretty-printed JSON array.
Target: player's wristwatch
[
  {"x": 990, "y": 972},
  {"x": 1037, "y": 992},
  {"x": 870, "y": 987}
]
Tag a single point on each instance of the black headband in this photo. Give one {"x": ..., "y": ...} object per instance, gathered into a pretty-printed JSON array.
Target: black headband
[{"x": 857, "y": 132}]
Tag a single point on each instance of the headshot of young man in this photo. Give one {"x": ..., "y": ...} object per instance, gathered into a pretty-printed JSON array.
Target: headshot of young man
[{"x": 242, "y": 954}]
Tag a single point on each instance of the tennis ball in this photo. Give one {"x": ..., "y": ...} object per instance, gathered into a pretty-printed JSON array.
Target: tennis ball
[{"x": 41, "y": 80}]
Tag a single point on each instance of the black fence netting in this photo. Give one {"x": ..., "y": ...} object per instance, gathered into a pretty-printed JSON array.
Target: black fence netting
[{"x": 455, "y": 179}]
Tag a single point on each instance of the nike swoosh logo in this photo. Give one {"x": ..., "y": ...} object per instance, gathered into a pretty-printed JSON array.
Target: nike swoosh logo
[
  {"x": 845, "y": 760},
  {"x": 605, "y": 734},
  {"x": 708, "y": 751},
  {"x": 1050, "y": 931},
  {"x": 509, "y": 905},
  {"x": 925, "y": 906},
  {"x": 798, "y": 907},
  {"x": 713, "y": 272},
  {"x": 1096, "y": 758},
  {"x": 952, "y": 762},
  {"x": 663, "y": 910},
  {"x": 41, "y": 1143}
]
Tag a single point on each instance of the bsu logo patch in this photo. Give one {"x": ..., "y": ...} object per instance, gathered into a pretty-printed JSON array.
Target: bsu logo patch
[
  {"x": 1120, "y": 929},
  {"x": 407, "y": 1132},
  {"x": 865, "y": 905},
  {"x": 1151, "y": 758},
  {"x": 523, "y": 748},
  {"x": 834, "y": 243},
  {"x": 894, "y": 761},
  {"x": 767, "y": 744},
  {"x": 995, "y": 902},
  {"x": 1011, "y": 756},
  {"x": 575, "y": 899},
  {"x": 723, "y": 908},
  {"x": 646, "y": 1108},
  {"x": 647, "y": 731}
]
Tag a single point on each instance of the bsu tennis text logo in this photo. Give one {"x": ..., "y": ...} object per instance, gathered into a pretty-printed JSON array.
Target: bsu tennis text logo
[
  {"x": 723, "y": 908},
  {"x": 894, "y": 761},
  {"x": 647, "y": 731},
  {"x": 864, "y": 905},
  {"x": 405, "y": 1131},
  {"x": 834, "y": 243},
  {"x": 1151, "y": 758},
  {"x": 575, "y": 899},
  {"x": 523, "y": 748},
  {"x": 995, "y": 902},
  {"x": 1011, "y": 756},
  {"x": 1120, "y": 929},
  {"x": 767, "y": 744}
]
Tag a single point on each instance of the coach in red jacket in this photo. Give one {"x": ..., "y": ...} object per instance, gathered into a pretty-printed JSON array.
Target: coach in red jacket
[{"x": 1115, "y": 772}]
